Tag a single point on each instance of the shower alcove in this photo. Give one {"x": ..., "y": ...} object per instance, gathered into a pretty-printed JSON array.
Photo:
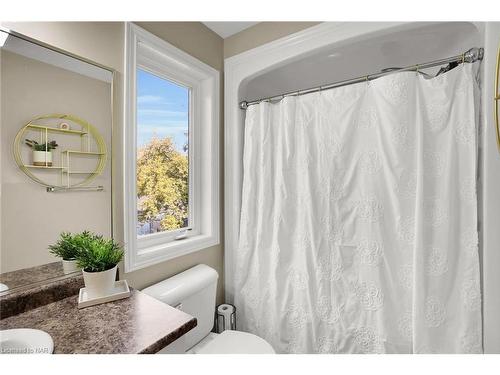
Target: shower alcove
[{"x": 332, "y": 52}]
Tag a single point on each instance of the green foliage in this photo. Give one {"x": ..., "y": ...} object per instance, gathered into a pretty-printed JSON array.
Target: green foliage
[
  {"x": 171, "y": 222},
  {"x": 162, "y": 183},
  {"x": 66, "y": 247},
  {"x": 97, "y": 254},
  {"x": 92, "y": 252},
  {"x": 41, "y": 146}
]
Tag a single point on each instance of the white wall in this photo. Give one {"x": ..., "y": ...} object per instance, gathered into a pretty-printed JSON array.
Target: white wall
[{"x": 491, "y": 198}]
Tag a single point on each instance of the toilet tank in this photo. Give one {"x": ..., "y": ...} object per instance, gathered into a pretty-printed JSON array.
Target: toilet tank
[{"x": 192, "y": 291}]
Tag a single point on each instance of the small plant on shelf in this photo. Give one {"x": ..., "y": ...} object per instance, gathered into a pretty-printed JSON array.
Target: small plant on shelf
[
  {"x": 48, "y": 146},
  {"x": 42, "y": 152}
]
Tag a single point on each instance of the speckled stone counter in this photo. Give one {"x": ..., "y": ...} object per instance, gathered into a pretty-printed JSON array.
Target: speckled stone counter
[
  {"x": 20, "y": 300},
  {"x": 32, "y": 275},
  {"x": 139, "y": 324}
]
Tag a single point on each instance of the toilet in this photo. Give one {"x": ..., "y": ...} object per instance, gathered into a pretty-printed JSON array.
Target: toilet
[{"x": 193, "y": 291}]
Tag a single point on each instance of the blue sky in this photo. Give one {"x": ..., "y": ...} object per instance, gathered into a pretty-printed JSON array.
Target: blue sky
[{"x": 162, "y": 109}]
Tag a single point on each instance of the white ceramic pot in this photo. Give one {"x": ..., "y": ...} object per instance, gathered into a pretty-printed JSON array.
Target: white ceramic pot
[
  {"x": 42, "y": 158},
  {"x": 69, "y": 266},
  {"x": 98, "y": 284}
]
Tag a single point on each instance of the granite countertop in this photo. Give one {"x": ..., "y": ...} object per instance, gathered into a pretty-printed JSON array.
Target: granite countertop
[
  {"x": 32, "y": 275},
  {"x": 138, "y": 324}
]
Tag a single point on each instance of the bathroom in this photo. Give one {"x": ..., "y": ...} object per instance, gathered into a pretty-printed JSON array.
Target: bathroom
[{"x": 256, "y": 187}]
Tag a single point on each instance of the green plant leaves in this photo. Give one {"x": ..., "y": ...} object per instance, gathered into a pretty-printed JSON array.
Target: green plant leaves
[
  {"x": 65, "y": 248},
  {"x": 41, "y": 147},
  {"x": 92, "y": 252}
]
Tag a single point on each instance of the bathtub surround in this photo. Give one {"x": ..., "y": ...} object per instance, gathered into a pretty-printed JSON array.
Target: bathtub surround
[
  {"x": 261, "y": 33},
  {"x": 376, "y": 185},
  {"x": 139, "y": 324}
]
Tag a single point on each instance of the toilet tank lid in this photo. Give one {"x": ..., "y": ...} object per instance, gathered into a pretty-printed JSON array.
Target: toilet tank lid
[{"x": 176, "y": 288}]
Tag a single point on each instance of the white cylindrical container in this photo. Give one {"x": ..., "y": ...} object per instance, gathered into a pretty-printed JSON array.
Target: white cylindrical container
[
  {"x": 69, "y": 266},
  {"x": 226, "y": 318},
  {"x": 42, "y": 158},
  {"x": 99, "y": 284}
]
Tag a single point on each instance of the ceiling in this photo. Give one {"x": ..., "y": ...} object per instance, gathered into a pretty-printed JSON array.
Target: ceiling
[{"x": 226, "y": 29}]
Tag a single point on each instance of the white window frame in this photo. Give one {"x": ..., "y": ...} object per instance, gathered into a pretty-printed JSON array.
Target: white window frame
[{"x": 166, "y": 61}]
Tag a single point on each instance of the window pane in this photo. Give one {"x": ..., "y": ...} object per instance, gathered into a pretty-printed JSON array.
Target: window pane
[{"x": 162, "y": 154}]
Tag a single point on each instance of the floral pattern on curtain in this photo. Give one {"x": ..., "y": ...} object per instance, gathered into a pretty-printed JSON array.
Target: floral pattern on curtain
[{"x": 358, "y": 229}]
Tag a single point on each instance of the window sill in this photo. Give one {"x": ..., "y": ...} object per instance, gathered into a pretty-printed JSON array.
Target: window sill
[{"x": 159, "y": 253}]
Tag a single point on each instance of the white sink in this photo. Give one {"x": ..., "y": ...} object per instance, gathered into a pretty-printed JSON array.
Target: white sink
[{"x": 25, "y": 341}]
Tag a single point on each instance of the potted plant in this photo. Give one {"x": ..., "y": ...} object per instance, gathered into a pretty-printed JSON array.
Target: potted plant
[
  {"x": 66, "y": 248},
  {"x": 42, "y": 152},
  {"x": 98, "y": 258}
]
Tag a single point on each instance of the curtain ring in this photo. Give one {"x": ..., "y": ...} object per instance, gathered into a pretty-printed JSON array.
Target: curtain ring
[
  {"x": 463, "y": 58},
  {"x": 417, "y": 69},
  {"x": 367, "y": 79}
]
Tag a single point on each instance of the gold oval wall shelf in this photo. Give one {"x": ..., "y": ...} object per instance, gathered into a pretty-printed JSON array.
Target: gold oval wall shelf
[{"x": 92, "y": 145}]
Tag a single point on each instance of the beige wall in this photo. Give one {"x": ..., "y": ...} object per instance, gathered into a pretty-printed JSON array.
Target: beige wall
[
  {"x": 103, "y": 42},
  {"x": 31, "y": 218},
  {"x": 261, "y": 33}
]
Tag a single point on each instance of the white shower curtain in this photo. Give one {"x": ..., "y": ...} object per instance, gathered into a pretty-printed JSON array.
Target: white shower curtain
[{"x": 358, "y": 229}]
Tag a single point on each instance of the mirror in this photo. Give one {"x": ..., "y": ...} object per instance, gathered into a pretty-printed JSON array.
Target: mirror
[{"x": 55, "y": 156}]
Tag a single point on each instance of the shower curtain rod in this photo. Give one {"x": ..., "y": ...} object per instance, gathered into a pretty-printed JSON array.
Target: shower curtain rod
[{"x": 470, "y": 56}]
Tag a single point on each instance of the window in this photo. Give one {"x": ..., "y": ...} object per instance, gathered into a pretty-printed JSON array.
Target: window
[
  {"x": 162, "y": 154},
  {"x": 171, "y": 169}
]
